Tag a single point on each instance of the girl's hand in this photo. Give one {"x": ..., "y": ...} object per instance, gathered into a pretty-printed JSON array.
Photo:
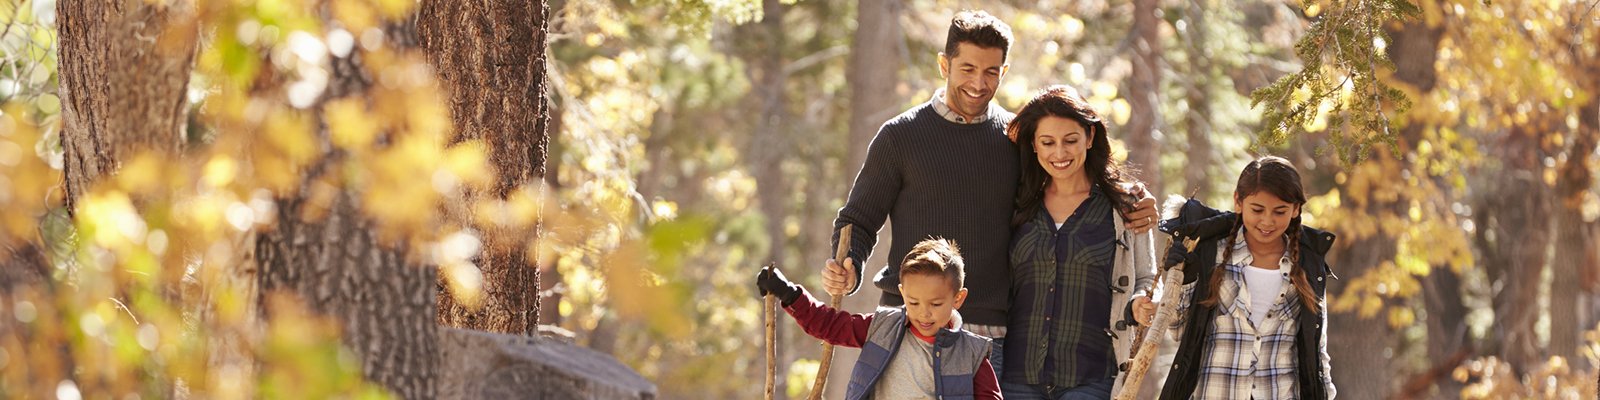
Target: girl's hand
[{"x": 1143, "y": 310}]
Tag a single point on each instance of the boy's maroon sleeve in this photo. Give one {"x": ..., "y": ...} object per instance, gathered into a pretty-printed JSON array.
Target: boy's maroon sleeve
[
  {"x": 984, "y": 385},
  {"x": 834, "y": 326}
]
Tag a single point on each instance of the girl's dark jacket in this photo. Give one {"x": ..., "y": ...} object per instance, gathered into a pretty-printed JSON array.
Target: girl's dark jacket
[{"x": 1209, "y": 226}]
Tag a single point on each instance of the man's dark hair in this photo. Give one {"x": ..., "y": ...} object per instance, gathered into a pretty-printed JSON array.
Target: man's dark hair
[{"x": 980, "y": 29}]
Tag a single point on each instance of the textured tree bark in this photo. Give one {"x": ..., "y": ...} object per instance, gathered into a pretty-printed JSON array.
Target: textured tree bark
[
  {"x": 490, "y": 57},
  {"x": 337, "y": 267},
  {"x": 124, "y": 72},
  {"x": 1144, "y": 90}
]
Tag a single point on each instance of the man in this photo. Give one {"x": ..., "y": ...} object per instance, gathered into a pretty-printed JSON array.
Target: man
[{"x": 945, "y": 168}]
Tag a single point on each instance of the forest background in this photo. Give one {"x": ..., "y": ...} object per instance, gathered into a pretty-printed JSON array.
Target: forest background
[{"x": 677, "y": 146}]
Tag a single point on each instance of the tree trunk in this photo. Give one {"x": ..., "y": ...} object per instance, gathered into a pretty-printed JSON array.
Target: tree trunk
[
  {"x": 1514, "y": 238},
  {"x": 1202, "y": 85},
  {"x": 337, "y": 267},
  {"x": 1574, "y": 235},
  {"x": 769, "y": 142},
  {"x": 490, "y": 58},
  {"x": 1415, "y": 52},
  {"x": 124, "y": 76},
  {"x": 1365, "y": 346},
  {"x": 1144, "y": 90},
  {"x": 875, "y": 65}
]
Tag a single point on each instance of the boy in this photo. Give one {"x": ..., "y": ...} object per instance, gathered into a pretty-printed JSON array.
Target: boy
[{"x": 937, "y": 360}]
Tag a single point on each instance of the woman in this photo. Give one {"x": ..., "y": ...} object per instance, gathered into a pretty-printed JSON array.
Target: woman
[
  {"x": 1074, "y": 268},
  {"x": 1250, "y": 314}
]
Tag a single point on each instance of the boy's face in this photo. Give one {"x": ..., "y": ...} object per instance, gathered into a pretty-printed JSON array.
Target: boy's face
[{"x": 930, "y": 301}]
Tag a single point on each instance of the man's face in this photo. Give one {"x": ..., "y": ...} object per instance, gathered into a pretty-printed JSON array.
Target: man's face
[{"x": 971, "y": 77}]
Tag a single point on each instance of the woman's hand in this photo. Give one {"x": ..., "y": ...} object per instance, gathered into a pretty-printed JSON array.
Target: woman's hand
[{"x": 1143, "y": 310}]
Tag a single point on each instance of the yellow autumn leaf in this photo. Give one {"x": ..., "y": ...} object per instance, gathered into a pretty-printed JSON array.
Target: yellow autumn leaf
[
  {"x": 143, "y": 173},
  {"x": 349, "y": 125},
  {"x": 467, "y": 161},
  {"x": 220, "y": 171},
  {"x": 357, "y": 16},
  {"x": 466, "y": 283}
]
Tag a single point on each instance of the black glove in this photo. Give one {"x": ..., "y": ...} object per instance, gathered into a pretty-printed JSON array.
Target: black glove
[
  {"x": 771, "y": 280},
  {"x": 1179, "y": 254}
]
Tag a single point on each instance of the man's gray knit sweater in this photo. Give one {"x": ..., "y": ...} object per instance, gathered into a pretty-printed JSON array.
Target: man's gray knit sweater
[{"x": 937, "y": 178}]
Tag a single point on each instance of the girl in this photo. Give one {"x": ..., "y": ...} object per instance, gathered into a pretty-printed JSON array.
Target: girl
[
  {"x": 1251, "y": 318},
  {"x": 1074, "y": 267}
]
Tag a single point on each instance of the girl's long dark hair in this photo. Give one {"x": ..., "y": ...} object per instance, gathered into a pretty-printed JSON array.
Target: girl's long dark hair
[
  {"x": 1277, "y": 177},
  {"x": 1063, "y": 101}
]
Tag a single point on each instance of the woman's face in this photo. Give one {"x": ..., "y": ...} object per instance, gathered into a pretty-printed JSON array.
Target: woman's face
[
  {"x": 1265, "y": 217},
  {"x": 1062, "y": 146}
]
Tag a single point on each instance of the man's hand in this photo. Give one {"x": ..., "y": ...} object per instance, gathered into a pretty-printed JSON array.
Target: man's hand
[
  {"x": 1143, "y": 310},
  {"x": 1143, "y": 216},
  {"x": 838, "y": 280}
]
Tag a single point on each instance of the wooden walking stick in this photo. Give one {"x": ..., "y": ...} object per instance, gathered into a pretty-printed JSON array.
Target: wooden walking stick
[
  {"x": 827, "y": 348},
  {"x": 1146, "y": 351},
  {"x": 769, "y": 307}
]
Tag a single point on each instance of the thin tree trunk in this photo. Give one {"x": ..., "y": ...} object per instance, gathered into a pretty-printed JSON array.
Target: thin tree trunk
[
  {"x": 875, "y": 65},
  {"x": 1574, "y": 235},
  {"x": 1366, "y": 346},
  {"x": 490, "y": 57},
  {"x": 1198, "y": 119},
  {"x": 1514, "y": 238},
  {"x": 768, "y": 143},
  {"x": 876, "y": 61},
  {"x": 1446, "y": 322},
  {"x": 1144, "y": 90},
  {"x": 1415, "y": 51}
]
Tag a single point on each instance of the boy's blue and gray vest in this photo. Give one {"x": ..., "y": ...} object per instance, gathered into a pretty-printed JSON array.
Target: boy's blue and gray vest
[{"x": 957, "y": 355}]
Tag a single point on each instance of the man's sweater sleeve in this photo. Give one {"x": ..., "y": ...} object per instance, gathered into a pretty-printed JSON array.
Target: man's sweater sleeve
[
  {"x": 872, "y": 197},
  {"x": 834, "y": 326},
  {"x": 984, "y": 385}
]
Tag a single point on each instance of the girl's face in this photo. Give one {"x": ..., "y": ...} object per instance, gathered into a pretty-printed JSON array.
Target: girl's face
[
  {"x": 1062, "y": 146},
  {"x": 1265, "y": 217}
]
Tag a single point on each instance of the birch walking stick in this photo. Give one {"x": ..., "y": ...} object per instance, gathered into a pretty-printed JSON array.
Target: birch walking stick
[
  {"x": 1146, "y": 352},
  {"x": 769, "y": 307},
  {"x": 827, "y": 348}
]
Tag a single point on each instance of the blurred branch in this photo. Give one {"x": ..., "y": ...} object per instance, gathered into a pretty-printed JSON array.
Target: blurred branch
[{"x": 815, "y": 58}]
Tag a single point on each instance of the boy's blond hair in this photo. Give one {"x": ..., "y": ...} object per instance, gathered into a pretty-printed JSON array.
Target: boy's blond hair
[{"x": 939, "y": 257}]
